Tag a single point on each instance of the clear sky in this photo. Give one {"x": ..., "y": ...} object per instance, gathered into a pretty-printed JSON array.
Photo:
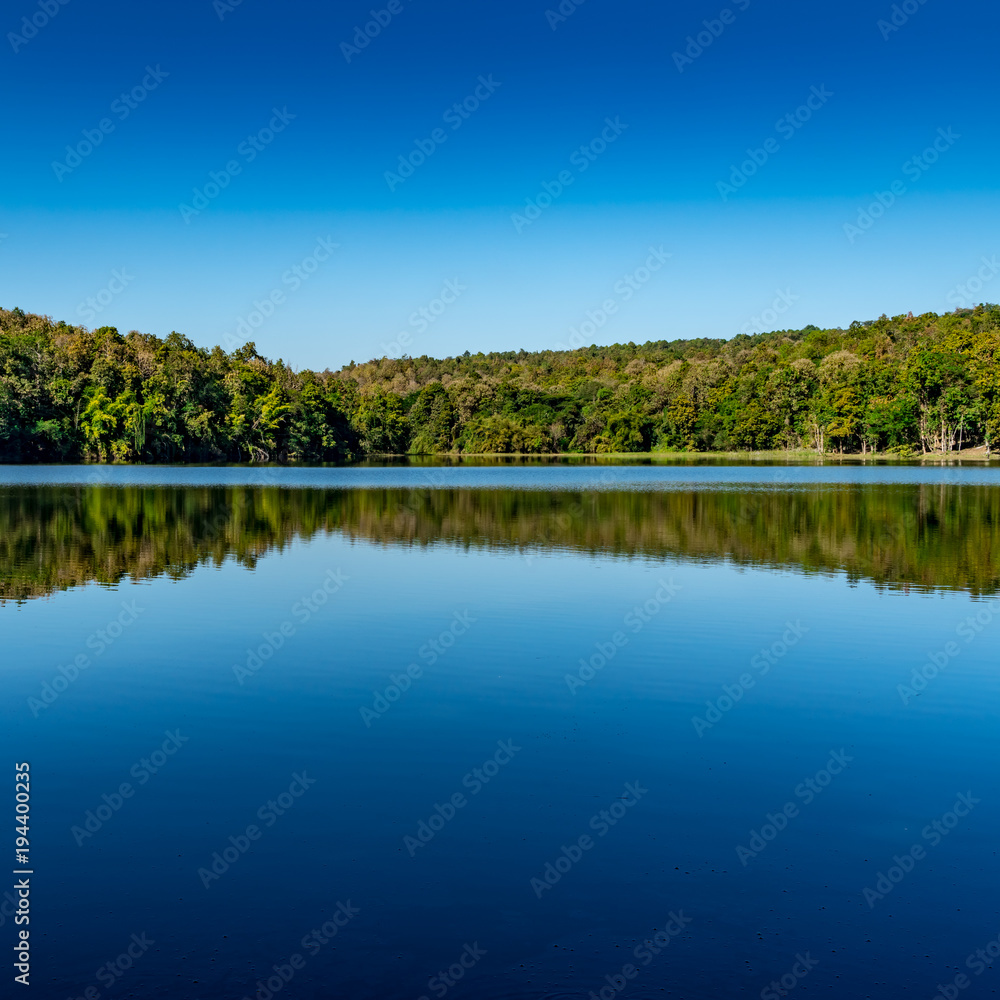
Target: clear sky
[{"x": 504, "y": 166}]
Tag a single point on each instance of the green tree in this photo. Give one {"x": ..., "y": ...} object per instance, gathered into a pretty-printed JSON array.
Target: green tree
[{"x": 381, "y": 424}]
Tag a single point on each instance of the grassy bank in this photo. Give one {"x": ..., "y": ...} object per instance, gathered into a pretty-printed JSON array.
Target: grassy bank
[{"x": 793, "y": 457}]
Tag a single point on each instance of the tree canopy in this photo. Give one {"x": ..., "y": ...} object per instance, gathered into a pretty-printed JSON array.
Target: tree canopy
[{"x": 905, "y": 385}]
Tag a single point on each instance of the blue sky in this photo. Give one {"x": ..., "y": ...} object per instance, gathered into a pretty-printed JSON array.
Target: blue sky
[{"x": 277, "y": 131}]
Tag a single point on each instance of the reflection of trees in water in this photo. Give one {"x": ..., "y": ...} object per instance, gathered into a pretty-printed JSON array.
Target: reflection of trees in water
[{"x": 924, "y": 536}]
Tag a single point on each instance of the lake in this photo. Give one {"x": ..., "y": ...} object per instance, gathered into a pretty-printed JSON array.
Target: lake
[{"x": 505, "y": 731}]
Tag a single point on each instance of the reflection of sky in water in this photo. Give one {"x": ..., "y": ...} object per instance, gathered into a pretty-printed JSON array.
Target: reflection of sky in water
[
  {"x": 554, "y": 477},
  {"x": 533, "y": 616}
]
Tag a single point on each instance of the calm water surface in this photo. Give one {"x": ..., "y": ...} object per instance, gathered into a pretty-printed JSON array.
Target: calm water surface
[{"x": 523, "y": 719}]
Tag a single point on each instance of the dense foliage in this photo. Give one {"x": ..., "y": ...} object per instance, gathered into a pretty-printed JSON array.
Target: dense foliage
[
  {"x": 910, "y": 384},
  {"x": 926, "y": 537}
]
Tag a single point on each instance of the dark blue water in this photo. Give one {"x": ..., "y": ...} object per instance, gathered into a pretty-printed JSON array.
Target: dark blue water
[{"x": 556, "y": 773}]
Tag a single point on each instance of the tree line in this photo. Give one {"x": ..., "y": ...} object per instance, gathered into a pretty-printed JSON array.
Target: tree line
[{"x": 906, "y": 385}]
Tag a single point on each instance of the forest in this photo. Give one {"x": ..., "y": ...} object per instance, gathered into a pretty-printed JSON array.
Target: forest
[{"x": 906, "y": 385}]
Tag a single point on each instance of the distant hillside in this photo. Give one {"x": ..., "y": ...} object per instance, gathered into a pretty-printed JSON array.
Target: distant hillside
[{"x": 906, "y": 385}]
